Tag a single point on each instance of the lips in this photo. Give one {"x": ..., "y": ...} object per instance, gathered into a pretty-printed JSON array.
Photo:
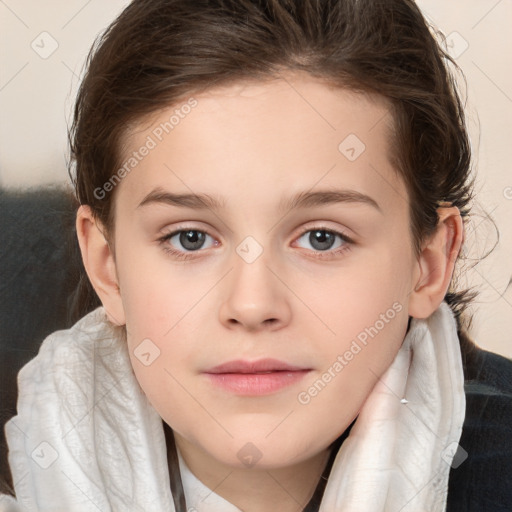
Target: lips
[
  {"x": 261, "y": 366},
  {"x": 253, "y": 378}
]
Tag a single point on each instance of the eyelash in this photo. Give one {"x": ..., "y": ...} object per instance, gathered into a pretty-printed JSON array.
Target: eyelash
[{"x": 347, "y": 243}]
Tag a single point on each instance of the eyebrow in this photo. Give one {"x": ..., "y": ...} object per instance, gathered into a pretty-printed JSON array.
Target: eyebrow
[
  {"x": 326, "y": 197},
  {"x": 301, "y": 200},
  {"x": 195, "y": 201}
]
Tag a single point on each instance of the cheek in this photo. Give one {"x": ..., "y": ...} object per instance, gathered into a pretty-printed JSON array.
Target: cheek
[
  {"x": 165, "y": 369},
  {"x": 156, "y": 295},
  {"x": 353, "y": 363},
  {"x": 349, "y": 300},
  {"x": 364, "y": 315}
]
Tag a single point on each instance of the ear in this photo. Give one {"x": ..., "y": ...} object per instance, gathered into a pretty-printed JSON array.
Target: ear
[
  {"x": 436, "y": 263},
  {"x": 99, "y": 264}
]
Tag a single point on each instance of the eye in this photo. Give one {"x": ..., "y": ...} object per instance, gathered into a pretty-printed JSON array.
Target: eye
[
  {"x": 325, "y": 240},
  {"x": 190, "y": 240}
]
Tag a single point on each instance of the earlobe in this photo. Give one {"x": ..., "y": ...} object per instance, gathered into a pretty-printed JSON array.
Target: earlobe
[
  {"x": 436, "y": 263},
  {"x": 99, "y": 264}
]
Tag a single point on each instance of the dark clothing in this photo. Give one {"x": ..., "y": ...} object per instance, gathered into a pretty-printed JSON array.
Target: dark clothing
[{"x": 483, "y": 482}]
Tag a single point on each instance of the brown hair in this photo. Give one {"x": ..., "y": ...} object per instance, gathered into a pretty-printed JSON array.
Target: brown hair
[{"x": 158, "y": 52}]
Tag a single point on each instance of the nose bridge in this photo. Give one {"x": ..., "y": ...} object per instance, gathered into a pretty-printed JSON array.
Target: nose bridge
[{"x": 255, "y": 297}]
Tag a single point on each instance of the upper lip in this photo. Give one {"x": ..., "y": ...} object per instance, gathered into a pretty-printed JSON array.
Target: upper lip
[{"x": 260, "y": 366}]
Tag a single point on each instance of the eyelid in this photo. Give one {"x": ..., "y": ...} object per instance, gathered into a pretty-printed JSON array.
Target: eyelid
[
  {"x": 331, "y": 254},
  {"x": 167, "y": 234},
  {"x": 322, "y": 226},
  {"x": 166, "y": 231}
]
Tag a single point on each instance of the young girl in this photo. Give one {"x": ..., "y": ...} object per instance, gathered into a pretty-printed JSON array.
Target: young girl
[{"x": 273, "y": 197}]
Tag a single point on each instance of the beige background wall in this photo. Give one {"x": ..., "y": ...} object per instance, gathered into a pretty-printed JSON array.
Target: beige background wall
[{"x": 43, "y": 46}]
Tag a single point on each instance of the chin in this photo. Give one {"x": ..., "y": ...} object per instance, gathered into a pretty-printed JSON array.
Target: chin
[{"x": 261, "y": 453}]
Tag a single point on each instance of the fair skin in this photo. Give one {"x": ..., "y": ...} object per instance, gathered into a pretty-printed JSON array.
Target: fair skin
[{"x": 253, "y": 145}]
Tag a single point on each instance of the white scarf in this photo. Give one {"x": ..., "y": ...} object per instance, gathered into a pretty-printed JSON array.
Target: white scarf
[{"x": 87, "y": 439}]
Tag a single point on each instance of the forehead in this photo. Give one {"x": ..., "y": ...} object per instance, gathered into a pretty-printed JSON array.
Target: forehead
[
  {"x": 265, "y": 137},
  {"x": 326, "y": 107}
]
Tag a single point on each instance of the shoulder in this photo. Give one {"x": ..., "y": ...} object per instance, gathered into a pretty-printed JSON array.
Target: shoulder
[{"x": 483, "y": 481}]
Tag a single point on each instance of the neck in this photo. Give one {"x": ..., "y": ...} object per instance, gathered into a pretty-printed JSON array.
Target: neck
[{"x": 254, "y": 489}]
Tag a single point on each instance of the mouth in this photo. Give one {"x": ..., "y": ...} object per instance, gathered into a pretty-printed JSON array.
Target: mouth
[{"x": 255, "y": 378}]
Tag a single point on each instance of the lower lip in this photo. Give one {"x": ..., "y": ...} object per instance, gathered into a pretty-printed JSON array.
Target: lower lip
[{"x": 255, "y": 384}]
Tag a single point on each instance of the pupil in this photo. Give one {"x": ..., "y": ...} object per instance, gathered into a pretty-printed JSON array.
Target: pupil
[
  {"x": 192, "y": 239},
  {"x": 321, "y": 240}
]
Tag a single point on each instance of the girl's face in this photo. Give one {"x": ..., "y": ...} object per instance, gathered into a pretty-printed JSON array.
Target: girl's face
[{"x": 265, "y": 263}]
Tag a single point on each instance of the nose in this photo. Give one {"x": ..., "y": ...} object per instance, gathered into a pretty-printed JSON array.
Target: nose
[{"x": 255, "y": 299}]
